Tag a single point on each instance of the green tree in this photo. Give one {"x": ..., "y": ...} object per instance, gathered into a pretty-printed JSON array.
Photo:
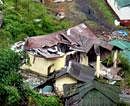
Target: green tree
[
  {"x": 9, "y": 77},
  {"x": 13, "y": 91}
]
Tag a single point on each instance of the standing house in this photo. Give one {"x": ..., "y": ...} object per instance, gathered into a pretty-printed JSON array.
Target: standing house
[
  {"x": 122, "y": 10},
  {"x": 54, "y": 51}
]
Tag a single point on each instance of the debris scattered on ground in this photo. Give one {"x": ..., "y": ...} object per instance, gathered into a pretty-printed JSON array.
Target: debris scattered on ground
[
  {"x": 18, "y": 46},
  {"x": 109, "y": 73},
  {"x": 117, "y": 23},
  {"x": 32, "y": 79}
]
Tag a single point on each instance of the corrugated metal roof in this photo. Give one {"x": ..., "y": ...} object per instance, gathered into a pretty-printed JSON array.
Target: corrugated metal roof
[
  {"x": 124, "y": 45},
  {"x": 79, "y": 38},
  {"x": 123, "y": 3},
  {"x": 120, "y": 44},
  {"x": 81, "y": 72},
  {"x": 43, "y": 41},
  {"x": 91, "y": 93}
]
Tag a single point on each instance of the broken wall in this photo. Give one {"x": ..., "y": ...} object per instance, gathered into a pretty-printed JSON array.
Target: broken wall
[{"x": 44, "y": 66}]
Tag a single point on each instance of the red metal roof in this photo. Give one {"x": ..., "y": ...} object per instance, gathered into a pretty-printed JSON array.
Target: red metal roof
[
  {"x": 79, "y": 38},
  {"x": 43, "y": 41}
]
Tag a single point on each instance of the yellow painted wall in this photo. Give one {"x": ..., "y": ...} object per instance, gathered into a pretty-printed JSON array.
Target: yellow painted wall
[
  {"x": 41, "y": 65},
  {"x": 61, "y": 81}
]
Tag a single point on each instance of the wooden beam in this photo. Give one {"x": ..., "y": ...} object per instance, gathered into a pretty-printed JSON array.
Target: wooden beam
[
  {"x": 98, "y": 67},
  {"x": 84, "y": 59},
  {"x": 115, "y": 58}
]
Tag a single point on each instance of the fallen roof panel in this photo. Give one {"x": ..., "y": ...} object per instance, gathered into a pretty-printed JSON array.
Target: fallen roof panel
[
  {"x": 43, "y": 41},
  {"x": 77, "y": 71}
]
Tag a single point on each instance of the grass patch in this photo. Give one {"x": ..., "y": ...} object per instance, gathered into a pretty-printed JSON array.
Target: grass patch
[
  {"x": 23, "y": 18},
  {"x": 104, "y": 9}
]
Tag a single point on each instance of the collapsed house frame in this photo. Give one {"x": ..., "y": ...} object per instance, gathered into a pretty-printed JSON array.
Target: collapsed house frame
[{"x": 52, "y": 52}]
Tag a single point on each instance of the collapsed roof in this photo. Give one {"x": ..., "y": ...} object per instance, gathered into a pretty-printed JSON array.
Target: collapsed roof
[
  {"x": 77, "y": 71},
  {"x": 79, "y": 38}
]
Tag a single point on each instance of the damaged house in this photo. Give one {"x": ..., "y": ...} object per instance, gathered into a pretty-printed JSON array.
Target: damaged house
[
  {"x": 69, "y": 57},
  {"x": 84, "y": 91},
  {"x": 53, "y": 52},
  {"x": 73, "y": 74}
]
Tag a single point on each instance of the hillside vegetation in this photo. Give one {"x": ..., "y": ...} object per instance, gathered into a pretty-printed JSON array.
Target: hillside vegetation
[
  {"x": 105, "y": 11},
  {"x": 23, "y": 18},
  {"x": 13, "y": 90}
]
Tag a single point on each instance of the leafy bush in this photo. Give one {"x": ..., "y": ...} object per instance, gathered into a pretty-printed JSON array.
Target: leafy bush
[
  {"x": 8, "y": 95},
  {"x": 9, "y": 62},
  {"x": 108, "y": 61},
  {"x": 13, "y": 91}
]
